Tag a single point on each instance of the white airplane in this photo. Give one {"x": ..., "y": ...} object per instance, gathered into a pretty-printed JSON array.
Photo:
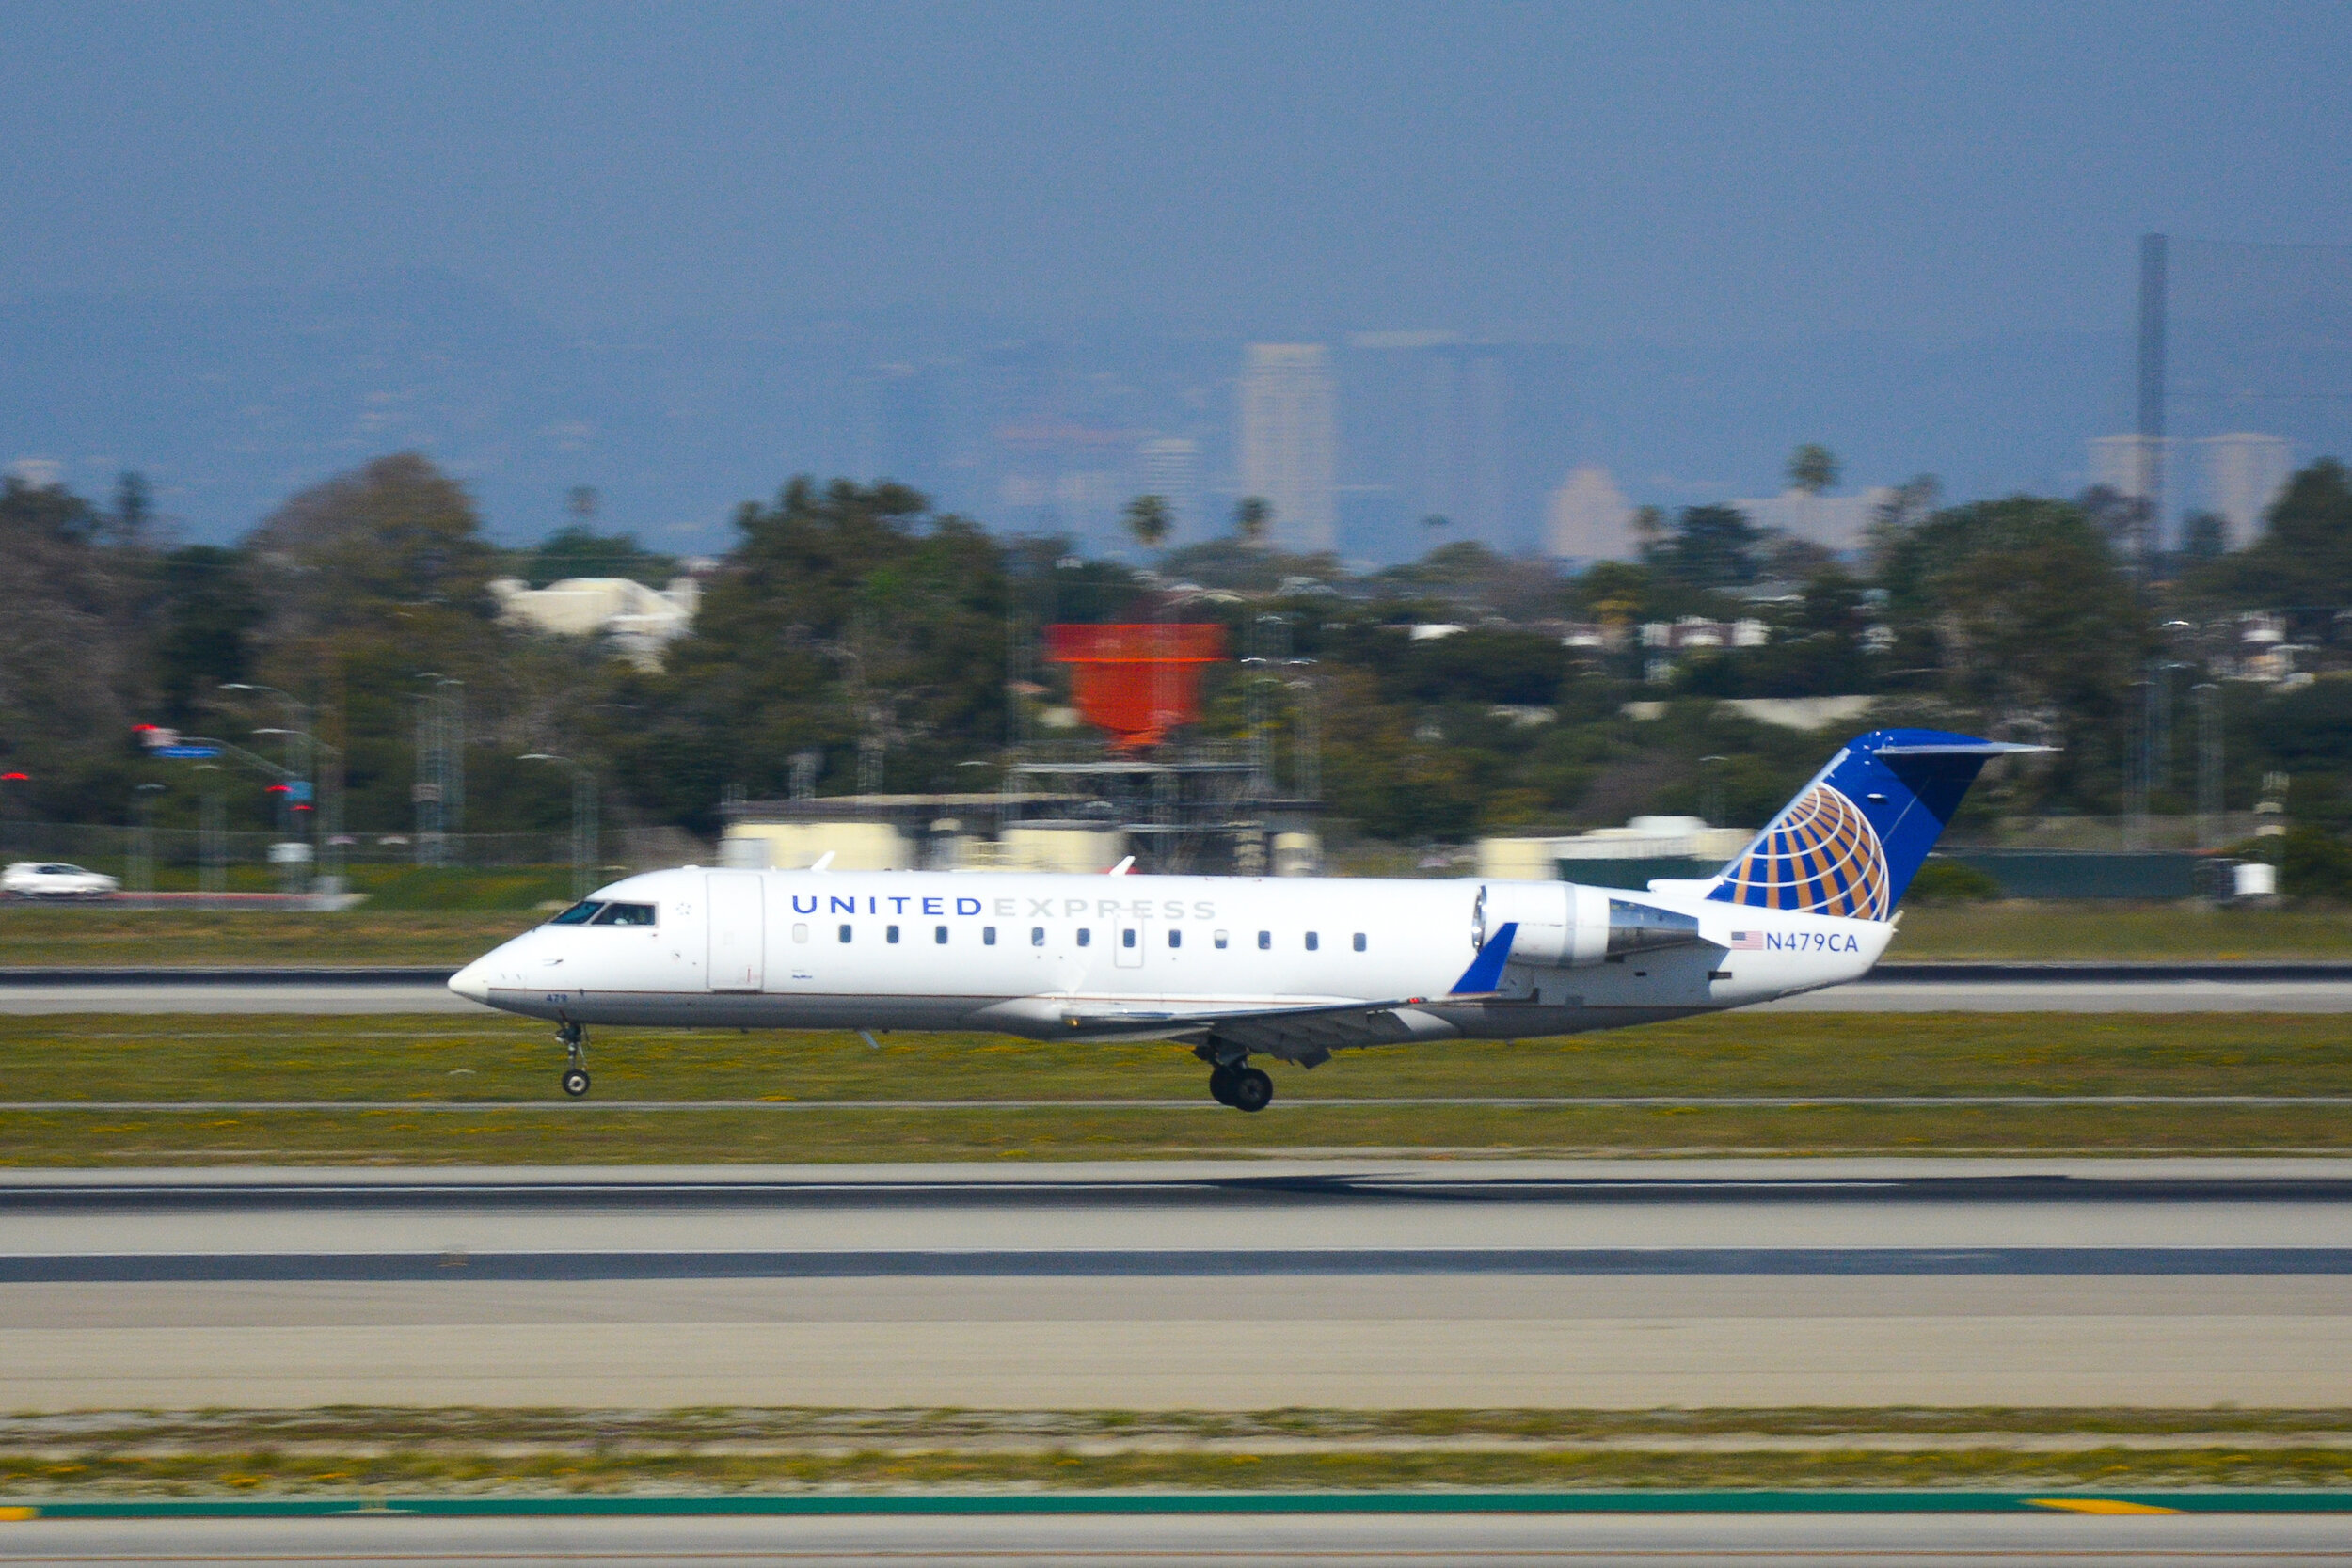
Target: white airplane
[{"x": 1294, "y": 968}]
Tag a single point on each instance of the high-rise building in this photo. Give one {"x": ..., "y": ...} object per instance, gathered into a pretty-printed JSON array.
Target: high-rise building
[
  {"x": 1833, "y": 522},
  {"x": 1438, "y": 427},
  {"x": 1588, "y": 518},
  {"x": 1169, "y": 468},
  {"x": 1289, "y": 441},
  {"x": 1462, "y": 464},
  {"x": 2244, "y": 474},
  {"x": 2131, "y": 465}
]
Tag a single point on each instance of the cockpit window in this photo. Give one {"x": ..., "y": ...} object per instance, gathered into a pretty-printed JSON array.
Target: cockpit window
[
  {"x": 578, "y": 914},
  {"x": 625, "y": 914}
]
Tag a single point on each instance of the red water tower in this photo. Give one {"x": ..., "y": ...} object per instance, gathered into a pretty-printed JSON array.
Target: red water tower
[{"x": 1135, "y": 682}]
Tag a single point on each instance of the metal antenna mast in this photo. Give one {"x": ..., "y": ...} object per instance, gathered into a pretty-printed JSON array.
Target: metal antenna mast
[
  {"x": 2209, "y": 802},
  {"x": 2152, "y": 259}
]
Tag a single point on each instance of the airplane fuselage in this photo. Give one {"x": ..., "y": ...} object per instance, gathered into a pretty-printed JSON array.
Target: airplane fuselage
[{"x": 1092, "y": 956}]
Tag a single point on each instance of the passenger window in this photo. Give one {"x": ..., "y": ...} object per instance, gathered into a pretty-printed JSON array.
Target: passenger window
[
  {"x": 1218, "y": 938},
  {"x": 1086, "y": 937},
  {"x": 988, "y": 935},
  {"x": 1265, "y": 940},
  {"x": 578, "y": 914},
  {"x": 1359, "y": 941},
  {"x": 1127, "y": 936},
  {"x": 1175, "y": 939},
  {"x": 1037, "y": 936},
  {"x": 625, "y": 914},
  {"x": 845, "y": 933},
  {"x": 890, "y": 933},
  {"x": 1314, "y": 941},
  {"x": 800, "y": 931},
  {"x": 939, "y": 935}
]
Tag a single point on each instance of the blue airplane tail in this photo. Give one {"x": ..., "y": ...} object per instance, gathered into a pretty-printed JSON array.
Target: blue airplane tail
[{"x": 1853, "y": 838}]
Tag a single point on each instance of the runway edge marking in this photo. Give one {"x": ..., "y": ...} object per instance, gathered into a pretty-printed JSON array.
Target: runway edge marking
[{"x": 1200, "y": 1503}]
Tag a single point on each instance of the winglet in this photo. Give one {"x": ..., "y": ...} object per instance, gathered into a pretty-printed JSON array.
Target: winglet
[{"x": 1485, "y": 971}]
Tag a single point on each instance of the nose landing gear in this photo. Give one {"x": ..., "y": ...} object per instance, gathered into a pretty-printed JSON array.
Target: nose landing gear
[{"x": 575, "y": 1039}]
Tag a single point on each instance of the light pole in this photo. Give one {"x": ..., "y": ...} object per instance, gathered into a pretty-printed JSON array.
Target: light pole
[
  {"x": 441, "y": 788},
  {"x": 302, "y": 788},
  {"x": 2209, "y": 797},
  {"x": 586, "y": 852},
  {"x": 212, "y": 833},
  {"x": 16, "y": 795},
  {"x": 142, "y": 867},
  {"x": 326, "y": 816}
]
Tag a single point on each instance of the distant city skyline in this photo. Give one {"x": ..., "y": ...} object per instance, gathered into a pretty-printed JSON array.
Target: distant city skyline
[{"x": 231, "y": 406}]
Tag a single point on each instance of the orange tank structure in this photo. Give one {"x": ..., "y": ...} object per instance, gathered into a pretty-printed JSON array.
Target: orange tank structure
[{"x": 1135, "y": 682}]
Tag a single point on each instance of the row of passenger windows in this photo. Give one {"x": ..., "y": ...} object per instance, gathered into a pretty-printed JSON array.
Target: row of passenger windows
[{"x": 1128, "y": 937}]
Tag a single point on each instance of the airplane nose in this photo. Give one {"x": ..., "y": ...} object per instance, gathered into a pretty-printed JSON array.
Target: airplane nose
[{"x": 473, "y": 981}]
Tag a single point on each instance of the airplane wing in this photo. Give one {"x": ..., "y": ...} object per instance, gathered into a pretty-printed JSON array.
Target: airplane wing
[{"x": 1311, "y": 1032}]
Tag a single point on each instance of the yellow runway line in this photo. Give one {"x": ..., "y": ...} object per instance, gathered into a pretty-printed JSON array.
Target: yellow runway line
[{"x": 2097, "y": 1505}]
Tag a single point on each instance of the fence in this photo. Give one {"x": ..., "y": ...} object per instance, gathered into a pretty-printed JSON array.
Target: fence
[{"x": 114, "y": 850}]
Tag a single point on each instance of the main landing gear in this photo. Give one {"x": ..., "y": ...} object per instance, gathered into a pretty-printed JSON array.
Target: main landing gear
[
  {"x": 574, "y": 1038},
  {"x": 1245, "y": 1088}
]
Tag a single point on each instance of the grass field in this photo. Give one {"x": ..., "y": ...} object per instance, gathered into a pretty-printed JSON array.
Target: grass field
[
  {"x": 443, "y": 1452},
  {"x": 370, "y": 935},
  {"x": 801, "y": 1081},
  {"x": 2121, "y": 930},
  {"x": 103, "y": 936}
]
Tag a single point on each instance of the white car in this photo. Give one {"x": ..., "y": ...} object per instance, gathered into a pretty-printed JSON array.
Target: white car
[{"x": 55, "y": 879}]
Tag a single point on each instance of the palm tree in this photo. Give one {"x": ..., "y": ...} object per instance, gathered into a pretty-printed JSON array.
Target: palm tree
[
  {"x": 1147, "y": 517},
  {"x": 1812, "y": 468},
  {"x": 1252, "y": 518}
]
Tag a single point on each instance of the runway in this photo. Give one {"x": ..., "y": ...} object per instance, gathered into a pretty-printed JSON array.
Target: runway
[
  {"x": 1170, "y": 1542},
  {"x": 1378, "y": 1284}
]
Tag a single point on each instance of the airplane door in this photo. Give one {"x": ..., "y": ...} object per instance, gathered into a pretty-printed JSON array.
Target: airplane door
[
  {"x": 1132, "y": 938},
  {"x": 739, "y": 930}
]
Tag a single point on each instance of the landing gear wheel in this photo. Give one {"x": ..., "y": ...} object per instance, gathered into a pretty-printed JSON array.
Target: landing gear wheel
[
  {"x": 1221, "y": 1083},
  {"x": 1252, "y": 1090},
  {"x": 574, "y": 1038}
]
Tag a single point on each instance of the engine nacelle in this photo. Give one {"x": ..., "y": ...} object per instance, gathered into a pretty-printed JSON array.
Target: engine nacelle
[{"x": 1563, "y": 925}]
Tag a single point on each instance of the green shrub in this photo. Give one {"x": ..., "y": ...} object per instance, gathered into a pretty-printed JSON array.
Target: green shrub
[
  {"x": 2314, "y": 863},
  {"x": 1945, "y": 881},
  {"x": 435, "y": 887}
]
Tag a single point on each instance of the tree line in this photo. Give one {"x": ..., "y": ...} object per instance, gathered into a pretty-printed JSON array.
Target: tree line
[{"x": 852, "y": 631}]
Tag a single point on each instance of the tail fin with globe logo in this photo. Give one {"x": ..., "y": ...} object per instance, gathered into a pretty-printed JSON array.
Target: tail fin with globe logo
[{"x": 1852, "y": 839}]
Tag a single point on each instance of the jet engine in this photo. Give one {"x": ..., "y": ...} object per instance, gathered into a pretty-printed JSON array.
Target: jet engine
[{"x": 1563, "y": 925}]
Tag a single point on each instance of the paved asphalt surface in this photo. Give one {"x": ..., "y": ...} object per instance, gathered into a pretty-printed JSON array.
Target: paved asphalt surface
[
  {"x": 1371, "y": 1284},
  {"x": 1472, "y": 1541}
]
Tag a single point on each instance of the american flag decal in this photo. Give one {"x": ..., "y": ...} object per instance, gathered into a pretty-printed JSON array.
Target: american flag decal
[
  {"x": 1820, "y": 856},
  {"x": 1747, "y": 942}
]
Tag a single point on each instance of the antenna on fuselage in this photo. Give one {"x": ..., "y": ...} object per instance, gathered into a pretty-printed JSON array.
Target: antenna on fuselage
[
  {"x": 823, "y": 862},
  {"x": 1121, "y": 868}
]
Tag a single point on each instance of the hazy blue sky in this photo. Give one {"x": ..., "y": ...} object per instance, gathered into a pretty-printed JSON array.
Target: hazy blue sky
[
  {"x": 1684, "y": 175},
  {"x": 1678, "y": 171}
]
